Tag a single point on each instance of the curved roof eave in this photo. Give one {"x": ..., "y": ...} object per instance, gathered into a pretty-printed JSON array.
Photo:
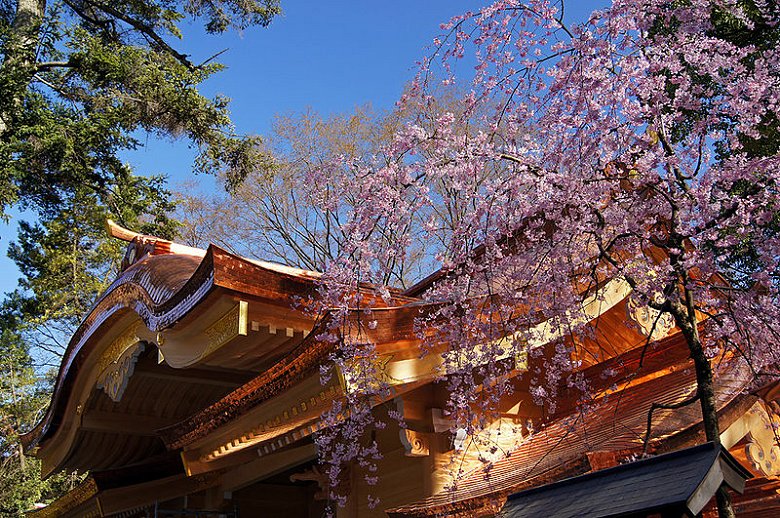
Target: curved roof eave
[
  {"x": 161, "y": 290},
  {"x": 136, "y": 289}
]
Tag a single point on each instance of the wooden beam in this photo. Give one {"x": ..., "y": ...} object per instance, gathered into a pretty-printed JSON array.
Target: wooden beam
[
  {"x": 193, "y": 465},
  {"x": 115, "y": 422},
  {"x": 124, "y": 234},
  {"x": 267, "y": 466},
  {"x": 227, "y": 379},
  {"x": 121, "y": 499}
]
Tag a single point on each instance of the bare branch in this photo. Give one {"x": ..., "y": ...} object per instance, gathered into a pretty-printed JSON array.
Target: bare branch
[
  {"x": 48, "y": 65},
  {"x": 663, "y": 406}
]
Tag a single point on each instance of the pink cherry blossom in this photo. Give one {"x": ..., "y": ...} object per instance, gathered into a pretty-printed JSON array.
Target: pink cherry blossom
[{"x": 574, "y": 154}]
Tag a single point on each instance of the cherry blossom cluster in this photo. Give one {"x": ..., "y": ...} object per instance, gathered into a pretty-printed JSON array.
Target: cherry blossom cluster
[{"x": 642, "y": 145}]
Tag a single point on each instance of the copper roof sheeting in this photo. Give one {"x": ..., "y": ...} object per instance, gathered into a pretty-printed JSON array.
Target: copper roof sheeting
[
  {"x": 761, "y": 499},
  {"x": 148, "y": 288},
  {"x": 300, "y": 363},
  {"x": 617, "y": 422}
]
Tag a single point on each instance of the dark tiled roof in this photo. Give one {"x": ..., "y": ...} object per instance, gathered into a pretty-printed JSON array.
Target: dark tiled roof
[{"x": 680, "y": 481}]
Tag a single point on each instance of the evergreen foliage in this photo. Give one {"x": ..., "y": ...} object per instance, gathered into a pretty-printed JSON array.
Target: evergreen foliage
[
  {"x": 81, "y": 82},
  {"x": 23, "y": 397}
]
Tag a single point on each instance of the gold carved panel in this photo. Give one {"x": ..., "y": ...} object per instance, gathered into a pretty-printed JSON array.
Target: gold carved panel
[
  {"x": 232, "y": 324},
  {"x": 119, "y": 345},
  {"x": 651, "y": 322},
  {"x": 117, "y": 362},
  {"x": 763, "y": 447},
  {"x": 114, "y": 379}
]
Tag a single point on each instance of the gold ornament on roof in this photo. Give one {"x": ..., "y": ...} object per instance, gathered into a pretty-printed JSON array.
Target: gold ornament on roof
[{"x": 651, "y": 322}]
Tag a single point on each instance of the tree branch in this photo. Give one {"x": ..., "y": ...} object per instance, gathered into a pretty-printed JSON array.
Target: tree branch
[
  {"x": 663, "y": 406},
  {"x": 147, "y": 31},
  {"x": 47, "y": 65}
]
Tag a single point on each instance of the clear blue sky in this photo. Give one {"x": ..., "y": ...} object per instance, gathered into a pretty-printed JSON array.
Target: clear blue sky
[{"x": 330, "y": 56}]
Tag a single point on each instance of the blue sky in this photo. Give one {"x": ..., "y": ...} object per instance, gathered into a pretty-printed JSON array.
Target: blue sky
[{"x": 329, "y": 56}]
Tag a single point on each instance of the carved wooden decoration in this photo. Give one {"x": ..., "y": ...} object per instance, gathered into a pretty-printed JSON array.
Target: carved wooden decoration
[
  {"x": 136, "y": 250},
  {"x": 274, "y": 422},
  {"x": 140, "y": 246},
  {"x": 763, "y": 447},
  {"x": 649, "y": 321},
  {"x": 416, "y": 444},
  {"x": 121, "y": 343},
  {"x": 77, "y": 498},
  {"x": 113, "y": 380},
  {"x": 232, "y": 324},
  {"x": 117, "y": 362},
  {"x": 313, "y": 475},
  {"x": 370, "y": 374}
]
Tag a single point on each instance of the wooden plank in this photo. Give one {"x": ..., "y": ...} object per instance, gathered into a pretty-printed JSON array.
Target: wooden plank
[
  {"x": 267, "y": 466},
  {"x": 218, "y": 378},
  {"x": 132, "y": 497},
  {"x": 131, "y": 424}
]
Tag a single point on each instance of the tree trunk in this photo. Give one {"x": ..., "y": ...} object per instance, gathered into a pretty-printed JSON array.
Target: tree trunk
[
  {"x": 19, "y": 59},
  {"x": 685, "y": 318}
]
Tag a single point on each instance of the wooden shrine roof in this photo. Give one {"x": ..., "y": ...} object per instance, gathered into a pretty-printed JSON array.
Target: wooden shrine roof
[
  {"x": 399, "y": 363},
  {"x": 162, "y": 283},
  {"x": 151, "y": 288},
  {"x": 202, "y": 386},
  {"x": 183, "y": 303},
  {"x": 223, "y": 408},
  {"x": 564, "y": 447}
]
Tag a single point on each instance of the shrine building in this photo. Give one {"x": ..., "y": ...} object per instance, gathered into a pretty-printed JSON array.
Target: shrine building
[{"x": 192, "y": 388}]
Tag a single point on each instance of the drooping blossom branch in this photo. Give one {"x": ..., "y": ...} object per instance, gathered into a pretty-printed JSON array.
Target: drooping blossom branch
[{"x": 640, "y": 145}]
